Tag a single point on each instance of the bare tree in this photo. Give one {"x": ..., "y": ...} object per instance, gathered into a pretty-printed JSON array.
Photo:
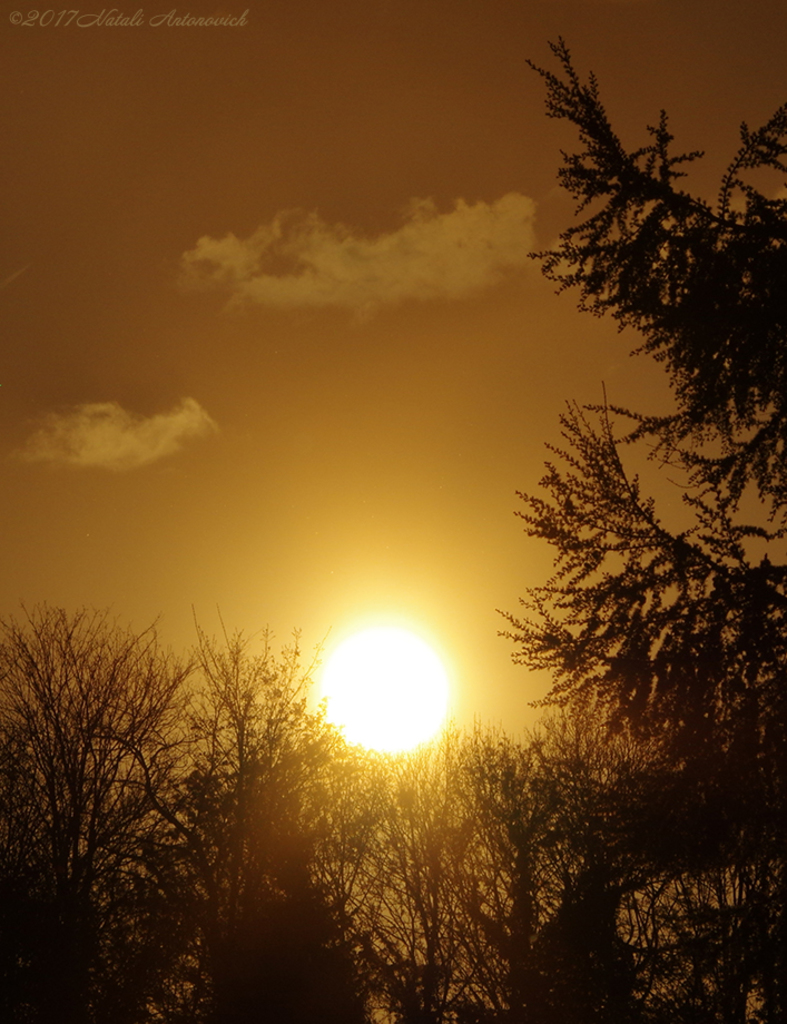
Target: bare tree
[
  {"x": 409, "y": 912},
  {"x": 78, "y": 697},
  {"x": 266, "y": 943}
]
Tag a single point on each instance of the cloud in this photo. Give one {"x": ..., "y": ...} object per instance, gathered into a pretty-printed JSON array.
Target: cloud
[
  {"x": 300, "y": 261},
  {"x": 104, "y": 435}
]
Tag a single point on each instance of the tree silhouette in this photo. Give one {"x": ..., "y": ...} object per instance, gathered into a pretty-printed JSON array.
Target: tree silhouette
[
  {"x": 81, "y": 914},
  {"x": 410, "y": 916},
  {"x": 218, "y": 854},
  {"x": 703, "y": 284},
  {"x": 265, "y": 943},
  {"x": 688, "y": 626},
  {"x": 681, "y": 631}
]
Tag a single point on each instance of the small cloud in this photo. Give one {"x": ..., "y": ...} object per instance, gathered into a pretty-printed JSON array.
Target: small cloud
[
  {"x": 300, "y": 261},
  {"x": 104, "y": 435}
]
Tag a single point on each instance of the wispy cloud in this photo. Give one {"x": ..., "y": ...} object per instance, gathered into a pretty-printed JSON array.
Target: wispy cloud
[
  {"x": 298, "y": 260},
  {"x": 104, "y": 435},
  {"x": 12, "y": 277}
]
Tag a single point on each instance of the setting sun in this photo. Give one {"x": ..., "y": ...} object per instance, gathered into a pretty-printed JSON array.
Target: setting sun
[{"x": 387, "y": 688}]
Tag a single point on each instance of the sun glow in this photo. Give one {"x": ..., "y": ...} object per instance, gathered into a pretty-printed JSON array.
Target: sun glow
[{"x": 387, "y": 688}]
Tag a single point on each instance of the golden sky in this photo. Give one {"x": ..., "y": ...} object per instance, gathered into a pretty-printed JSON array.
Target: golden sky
[{"x": 270, "y": 337}]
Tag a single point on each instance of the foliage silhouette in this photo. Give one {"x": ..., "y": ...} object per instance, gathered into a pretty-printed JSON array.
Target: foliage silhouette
[
  {"x": 683, "y": 628},
  {"x": 248, "y": 814},
  {"x": 680, "y": 632},
  {"x": 82, "y": 909},
  {"x": 703, "y": 284},
  {"x": 254, "y": 867}
]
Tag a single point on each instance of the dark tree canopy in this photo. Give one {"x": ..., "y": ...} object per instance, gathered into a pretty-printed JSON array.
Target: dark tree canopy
[
  {"x": 704, "y": 284},
  {"x": 681, "y": 628},
  {"x": 674, "y": 630},
  {"x": 685, "y": 628},
  {"x": 245, "y": 865},
  {"x": 80, "y": 699}
]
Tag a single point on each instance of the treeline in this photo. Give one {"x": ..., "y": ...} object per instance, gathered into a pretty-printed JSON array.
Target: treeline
[{"x": 188, "y": 842}]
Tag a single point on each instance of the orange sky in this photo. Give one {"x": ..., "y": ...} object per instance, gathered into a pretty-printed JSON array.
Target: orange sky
[{"x": 325, "y": 424}]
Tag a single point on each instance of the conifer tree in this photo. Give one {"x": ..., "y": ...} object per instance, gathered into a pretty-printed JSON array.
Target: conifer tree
[{"x": 681, "y": 632}]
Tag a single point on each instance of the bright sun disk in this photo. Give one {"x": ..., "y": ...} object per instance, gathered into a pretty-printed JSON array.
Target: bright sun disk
[{"x": 387, "y": 688}]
